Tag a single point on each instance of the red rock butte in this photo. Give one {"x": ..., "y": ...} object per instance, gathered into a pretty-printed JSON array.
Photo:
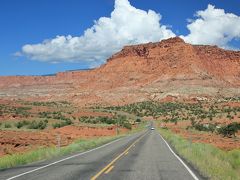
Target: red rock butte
[{"x": 142, "y": 72}]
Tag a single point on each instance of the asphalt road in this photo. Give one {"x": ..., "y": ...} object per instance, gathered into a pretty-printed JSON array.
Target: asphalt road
[{"x": 140, "y": 156}]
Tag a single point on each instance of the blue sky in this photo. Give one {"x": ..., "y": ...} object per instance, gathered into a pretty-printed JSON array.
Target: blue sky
[{"x": 31, "y": 22}]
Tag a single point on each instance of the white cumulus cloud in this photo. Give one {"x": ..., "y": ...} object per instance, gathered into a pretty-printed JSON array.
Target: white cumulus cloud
[
  {"x": 126, "y": 25},
  {"x": 213, "y": 26}
]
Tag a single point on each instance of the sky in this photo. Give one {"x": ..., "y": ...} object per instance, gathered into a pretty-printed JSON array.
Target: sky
[{"x": 44, "y": 37}]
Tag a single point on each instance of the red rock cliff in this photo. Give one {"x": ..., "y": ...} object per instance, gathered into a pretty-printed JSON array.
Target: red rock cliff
[{"x": 141, "y": 70}]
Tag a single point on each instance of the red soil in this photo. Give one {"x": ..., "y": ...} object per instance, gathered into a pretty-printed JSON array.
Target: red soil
[{"x": 21, "y": 141}]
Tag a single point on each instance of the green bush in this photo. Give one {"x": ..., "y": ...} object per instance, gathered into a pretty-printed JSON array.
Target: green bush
[
  {"x": 83, "y": 118},
  {"x": 20, "y": 124},
  {"x": 229, "y": 117},
  {"x": 205, "y": 127},
  {"x": 62, "y": 124},
  {"x": 120, "y": 120},
  {"x": 37, "y": 125},
  {"x": 127, "y": 125},
  {"x": 229, "y": 130},
  {"x": 7, "y": 125},
  {"x": 138, "y": 120}
]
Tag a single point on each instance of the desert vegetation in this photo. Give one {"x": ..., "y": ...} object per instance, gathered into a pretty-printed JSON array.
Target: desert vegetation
[
  {"x": 38, "y": 126},
  {"x": 207, "y": 121},
  {"x": 119, "y": 120},
  {"x": 217, "y": 116},
  {"x": 210, "y": 125},
  {"x": 14, "y": 111}
]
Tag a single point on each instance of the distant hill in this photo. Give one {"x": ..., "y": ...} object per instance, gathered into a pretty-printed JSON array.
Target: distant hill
[{"x": 150, "y": 71}]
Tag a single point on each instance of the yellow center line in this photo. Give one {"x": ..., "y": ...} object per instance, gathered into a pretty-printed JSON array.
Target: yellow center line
[
  {"x": 109, "y": 169},
  {"x": 118, "y": 157}
]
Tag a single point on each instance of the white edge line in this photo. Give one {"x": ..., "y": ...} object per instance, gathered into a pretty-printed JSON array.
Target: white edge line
[
  {"x": 188, "y": 169},
  {"x": 42, "y": 167}
]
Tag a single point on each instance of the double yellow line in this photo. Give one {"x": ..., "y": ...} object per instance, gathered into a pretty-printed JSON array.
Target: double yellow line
[{"x": 110, "y": 166}]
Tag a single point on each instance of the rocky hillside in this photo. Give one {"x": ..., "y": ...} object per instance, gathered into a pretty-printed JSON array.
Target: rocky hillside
[{"x": 141, "y": 72}]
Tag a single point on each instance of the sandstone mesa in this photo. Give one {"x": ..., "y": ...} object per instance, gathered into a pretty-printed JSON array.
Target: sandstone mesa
[{"x": 151, "y": 71}]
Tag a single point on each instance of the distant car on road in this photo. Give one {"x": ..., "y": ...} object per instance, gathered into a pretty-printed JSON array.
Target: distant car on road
[{"x": 152, "y": 128}]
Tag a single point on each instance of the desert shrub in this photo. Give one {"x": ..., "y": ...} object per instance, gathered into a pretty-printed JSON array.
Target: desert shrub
[
  {"x": 20, "y": 124},
  {"x": 51, "y": 103},
  {"x": 23, "y": 111},
  {"x": 45, "y": 115},
  {"x": 193, "y": 122},
  {"x": 64, "y": 102},
  {"x": 54, "y": 115},
  {"x": 205, "y": 127},
  {"x": 203, "y": 116},
  {"x": 229, "y": 130},
  {"x": 62, "y": 124},
  {"x": 58, "y": 125},
  {"x": 200, "y": 127},
  {"x": 7, "y": 125},
  {"x": 68, "y": 122},
  {"x": 37, "y": 125},
  {"x": 105, "y": 120},
  {"x": 210, "y": 117},
  {"x": 33, "y": 125},
  {"x": 120, "y": 120},
  {"x": 84, "y": 119},
  {"x": 138, "y": 120},
  {"x": 174, "y": 120},
  {"x": 127, "y": 125},
  {"x": 229, "y": 117}
]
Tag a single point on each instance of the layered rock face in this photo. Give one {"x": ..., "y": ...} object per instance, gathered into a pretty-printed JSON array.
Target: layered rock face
[{"x": 141, "y": 72}]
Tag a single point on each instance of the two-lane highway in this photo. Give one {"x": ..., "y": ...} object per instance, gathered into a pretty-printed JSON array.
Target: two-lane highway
[{"x": 141, "y": 156}]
